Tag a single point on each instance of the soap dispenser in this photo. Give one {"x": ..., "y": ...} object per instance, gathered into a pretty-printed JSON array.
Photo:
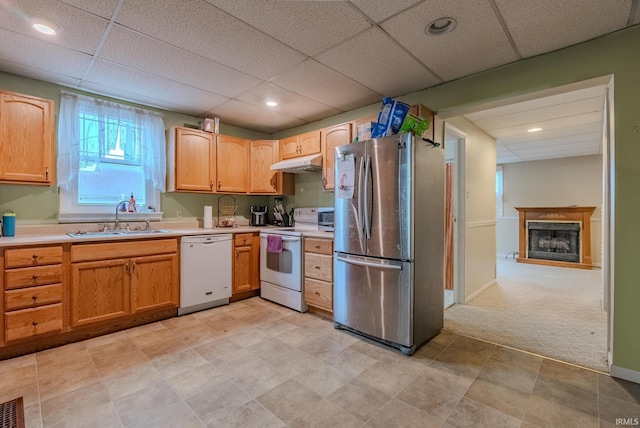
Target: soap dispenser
[{"x": 132, "y": 204}]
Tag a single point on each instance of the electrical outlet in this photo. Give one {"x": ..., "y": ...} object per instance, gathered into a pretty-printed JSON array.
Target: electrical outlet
[{"x": 178, "y": 213}]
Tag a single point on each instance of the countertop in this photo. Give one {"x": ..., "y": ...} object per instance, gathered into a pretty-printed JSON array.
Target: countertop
[{"x": 63, "y": 238}]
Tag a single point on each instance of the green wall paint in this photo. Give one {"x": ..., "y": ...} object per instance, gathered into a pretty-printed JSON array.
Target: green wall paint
[{"x": 615, "y": 54}]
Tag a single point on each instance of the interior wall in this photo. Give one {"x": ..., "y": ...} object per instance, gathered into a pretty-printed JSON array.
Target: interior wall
[
  {"x": 480, "y": 207},
  {"x": 39, "y": 204},
  {"x": 549, "y": 183}
]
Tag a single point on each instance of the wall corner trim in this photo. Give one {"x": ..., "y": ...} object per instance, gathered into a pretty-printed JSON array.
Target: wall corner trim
[{"x": 626, "y": 374}]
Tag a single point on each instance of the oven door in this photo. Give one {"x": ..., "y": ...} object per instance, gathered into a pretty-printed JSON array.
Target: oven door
[{"x": 285, "y": 268}]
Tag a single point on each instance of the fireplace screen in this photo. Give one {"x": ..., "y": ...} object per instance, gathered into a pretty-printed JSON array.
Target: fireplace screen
[{"x": 553, "y": 241}]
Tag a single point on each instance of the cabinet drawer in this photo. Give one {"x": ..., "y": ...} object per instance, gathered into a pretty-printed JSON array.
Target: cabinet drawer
[
  {"x": 318, "y": 266},
  {"x": 320, "y": 246},
  {"x": 37, "y": 256},
  {"x": 30, "y": 322},
  {"x": 32, "y": 296},
  {"x": 33, "y": 276},
  {"x": 242, "y": 239},
  {"x": 318, "y": 294}
]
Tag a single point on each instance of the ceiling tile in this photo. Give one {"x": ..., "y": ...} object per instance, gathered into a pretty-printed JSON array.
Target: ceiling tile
[
  {"x": 477, "y": 43},
  {"x": 594, "y": 128},
  {"x": 237, "y": 113},
  {"x": 144, "y": 53},
  {"x": 136, "y": 84},
  {"x": 538, "y": 117},
  {"x": 375, "y": 61},
  {"x": 380, "y": 10},
  {"x": 539, "y": 26},
  {"x": 82, "y": 31},
  {"x": 289, "y": 103},
  {"x": 103, "y": 8},
  {"x": 563, "y": 122},
  {"x": 39, "y": 74},
  {"x": 31, "y": 52},
  {"x": 308, "y": 26},
  {"x": 316, "y": 81},
  {"x": 199, "y": 27}
]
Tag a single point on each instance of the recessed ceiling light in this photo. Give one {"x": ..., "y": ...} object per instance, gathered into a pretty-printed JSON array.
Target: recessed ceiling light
[
  {"x": 440, "y": 26},
  {"x": 534, "y": 130},
  {"x": 44, "y": 25},
  {"x": 272, "y": 103}
]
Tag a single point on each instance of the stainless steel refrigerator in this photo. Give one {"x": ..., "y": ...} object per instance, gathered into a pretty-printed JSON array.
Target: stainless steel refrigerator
[{"x": 389, "y": 240}]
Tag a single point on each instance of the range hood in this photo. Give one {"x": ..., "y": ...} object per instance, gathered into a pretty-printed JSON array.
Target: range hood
[{"x": 297, "y": 165}]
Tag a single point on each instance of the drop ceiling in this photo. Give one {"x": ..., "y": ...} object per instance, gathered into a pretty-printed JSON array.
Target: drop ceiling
[{"x": 226, "y": 58}]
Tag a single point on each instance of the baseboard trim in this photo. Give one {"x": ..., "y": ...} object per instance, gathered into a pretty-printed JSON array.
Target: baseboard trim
[
  {"x": 626, "y": 374},
  {"x": 479, "y": 291}
]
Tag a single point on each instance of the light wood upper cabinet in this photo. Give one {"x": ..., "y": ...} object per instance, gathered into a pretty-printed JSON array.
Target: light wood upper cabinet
[
  {"x": 191, "y": 159},
  {"x": 300, "y": 145},
  {"x": 264, "y": 153},
  {"x": 262, "y": 180},
  {"x": 233, "y": 164},
  {"x": 26, "y": 139},
  {"x": 331, "y": 138}
]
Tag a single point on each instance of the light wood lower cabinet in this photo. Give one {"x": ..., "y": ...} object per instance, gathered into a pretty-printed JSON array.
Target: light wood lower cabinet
[
  {"x": 112, "y": 280},
  {"x": 33, "y": 292},
  {"x": 318, "y": 273},
  {"x": 246, "y": 262}
]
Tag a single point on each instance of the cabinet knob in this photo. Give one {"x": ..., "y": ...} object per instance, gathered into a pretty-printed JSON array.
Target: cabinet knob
[
  {"x": 219, "y": 184},
  {"x": 34, "y": 298},
  {"x": 46, "y": 173},
  {"x": 35, "y": 257},
  {"x": 316, "y": 246},
  {"x": 35, "y": 323},
  {"x": 35, "y": 277},
  {"x": 317, "y": 267},
  {"x": 317, "y": 294}
]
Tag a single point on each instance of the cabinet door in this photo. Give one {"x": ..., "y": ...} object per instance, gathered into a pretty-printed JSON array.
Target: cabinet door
[
  {"x": 289, "y": 147},
  {"x": 242, "y": 269},
  {"x": 309, "y": 143},
  {"x": 195, "y": 160},
  {"x": 233, "y": 156},
  {"x": 154, "y": 282},
  {"x": 264, "y": 153},
  {"x": 26, "y": 139},
  {"x": 100, "y": 291},
  {"x": 333, "y": 137}
]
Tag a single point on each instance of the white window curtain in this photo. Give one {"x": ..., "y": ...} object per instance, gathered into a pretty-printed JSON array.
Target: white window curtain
[{"x": 150, "y": 136}]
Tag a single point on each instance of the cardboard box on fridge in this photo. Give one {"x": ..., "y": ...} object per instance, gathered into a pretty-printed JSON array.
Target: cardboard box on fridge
[{"x": 364, "y": 130}]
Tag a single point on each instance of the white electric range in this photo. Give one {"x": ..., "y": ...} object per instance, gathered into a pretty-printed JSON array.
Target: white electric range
[{"x": 281, "y": 273}]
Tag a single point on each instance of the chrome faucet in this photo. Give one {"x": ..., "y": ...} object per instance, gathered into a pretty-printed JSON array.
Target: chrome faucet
[{"x": 115, "y": 226}]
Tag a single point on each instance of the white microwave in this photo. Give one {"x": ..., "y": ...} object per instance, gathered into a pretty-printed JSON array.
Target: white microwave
[{"x": 325, "y": 218}]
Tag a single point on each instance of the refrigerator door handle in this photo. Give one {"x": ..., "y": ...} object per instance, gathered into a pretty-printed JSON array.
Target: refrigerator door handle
[
  {"x": 369, "y": 264},
  {"x": 367, "y": 187},
  {"x": 360, "y": 187}
]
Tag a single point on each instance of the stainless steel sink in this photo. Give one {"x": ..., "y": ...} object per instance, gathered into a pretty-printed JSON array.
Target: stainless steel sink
[
  {"x": 83, "y": 234},
  {"x": 143, "y": 232}
]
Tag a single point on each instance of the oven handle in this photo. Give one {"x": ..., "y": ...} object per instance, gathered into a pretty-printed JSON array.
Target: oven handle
[{"x": 286, "y": 239}]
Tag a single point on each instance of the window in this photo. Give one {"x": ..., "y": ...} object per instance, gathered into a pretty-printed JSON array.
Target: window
[{"x": 106, "y": 152}]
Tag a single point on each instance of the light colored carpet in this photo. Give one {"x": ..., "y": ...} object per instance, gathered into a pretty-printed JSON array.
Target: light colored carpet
[{"x": 550, "y": 311}]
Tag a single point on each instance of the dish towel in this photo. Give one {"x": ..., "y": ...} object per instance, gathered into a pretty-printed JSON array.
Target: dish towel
[{"x": 274, "y": 244}]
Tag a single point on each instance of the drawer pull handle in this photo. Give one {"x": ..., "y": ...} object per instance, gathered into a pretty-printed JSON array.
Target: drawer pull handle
[
  {"x": 317, "y": 294},
  {"x": 317, "y": 267},
  {"x": 35, "y": 323},
  {"x": 316, "y": 246}
]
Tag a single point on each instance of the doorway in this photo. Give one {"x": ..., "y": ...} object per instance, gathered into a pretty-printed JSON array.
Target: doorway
[
  {"x": 605, "y": 202},
  {"x": 454, "y": 290}
]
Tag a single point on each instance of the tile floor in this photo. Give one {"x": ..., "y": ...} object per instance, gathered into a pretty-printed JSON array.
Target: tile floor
[{"x": 257, "y": 364}]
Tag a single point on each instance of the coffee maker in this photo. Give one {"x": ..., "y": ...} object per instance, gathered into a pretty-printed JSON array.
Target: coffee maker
[{"x": 258, "y": 215}]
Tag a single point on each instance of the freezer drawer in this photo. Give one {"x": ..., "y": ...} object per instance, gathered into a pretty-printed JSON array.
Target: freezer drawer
[{"x": 374, "y": 297}]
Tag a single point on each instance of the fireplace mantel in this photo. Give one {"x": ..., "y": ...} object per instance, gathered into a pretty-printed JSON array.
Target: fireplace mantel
[{"x": 575, "y": 214}]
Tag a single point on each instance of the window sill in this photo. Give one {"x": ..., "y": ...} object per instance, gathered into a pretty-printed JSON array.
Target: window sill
[{"x": 108, "y": 217}]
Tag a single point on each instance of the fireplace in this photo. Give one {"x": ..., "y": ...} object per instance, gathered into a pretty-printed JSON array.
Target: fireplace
[
  {"x": 549, "y": 240},
  {"x": 559, "y": 236}
]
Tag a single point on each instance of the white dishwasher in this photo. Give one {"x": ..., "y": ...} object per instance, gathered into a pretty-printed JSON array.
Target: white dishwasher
[{"x": 205, "y": 272}]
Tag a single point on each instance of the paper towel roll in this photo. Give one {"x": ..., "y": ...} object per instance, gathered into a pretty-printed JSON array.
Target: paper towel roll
[{"x": 208, "y": 217}]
